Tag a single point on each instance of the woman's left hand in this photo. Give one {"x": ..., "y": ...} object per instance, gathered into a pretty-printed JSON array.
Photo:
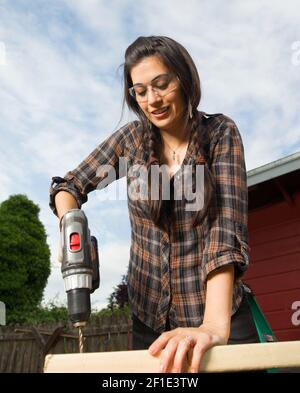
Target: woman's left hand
[{"x": 176, "y": 344}]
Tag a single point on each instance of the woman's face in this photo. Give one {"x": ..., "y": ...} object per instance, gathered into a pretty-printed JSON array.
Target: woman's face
[{"x": 165, "y": 107}]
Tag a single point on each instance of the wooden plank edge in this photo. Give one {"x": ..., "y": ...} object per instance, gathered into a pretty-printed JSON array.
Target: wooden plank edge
[{"x": 226, "y": 358}]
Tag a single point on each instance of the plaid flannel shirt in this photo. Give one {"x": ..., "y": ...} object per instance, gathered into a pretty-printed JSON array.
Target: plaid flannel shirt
[{"x": 168, "y": 268}]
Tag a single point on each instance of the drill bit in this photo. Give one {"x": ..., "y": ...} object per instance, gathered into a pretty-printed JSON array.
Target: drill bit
[{"x": 80, "y": 339}]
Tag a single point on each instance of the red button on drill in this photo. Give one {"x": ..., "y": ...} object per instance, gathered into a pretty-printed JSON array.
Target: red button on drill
[{"x": 74, "y": 242}]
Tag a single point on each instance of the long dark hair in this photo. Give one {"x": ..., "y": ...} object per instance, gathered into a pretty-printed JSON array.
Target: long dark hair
[{"x": 178, "y": 60}]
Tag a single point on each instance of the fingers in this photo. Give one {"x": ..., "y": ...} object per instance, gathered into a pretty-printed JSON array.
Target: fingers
[
  {"x": 197, "y": 356},
  {"x": 204, "y": 344},
  {"x": 159, "y": 343},
  {"x": 178, "y": 344},
  {"x": 168, "y": 356},
  {"x": 175, "y": 348},
  {"x": 180, "y": 359},
  {"x": 60, "y": 253}
]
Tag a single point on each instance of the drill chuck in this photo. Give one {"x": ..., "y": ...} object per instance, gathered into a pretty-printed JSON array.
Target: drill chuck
[{"x": 79, "y": 306}]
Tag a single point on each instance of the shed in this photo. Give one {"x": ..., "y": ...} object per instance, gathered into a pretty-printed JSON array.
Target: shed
[{"x": 274, "y": 239}]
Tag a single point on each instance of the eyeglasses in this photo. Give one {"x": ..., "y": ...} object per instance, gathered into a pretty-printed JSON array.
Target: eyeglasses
[{"x": 161, "y": 85}]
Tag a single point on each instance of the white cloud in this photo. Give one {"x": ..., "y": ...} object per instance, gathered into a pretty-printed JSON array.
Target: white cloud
[{"x": 243, "y": 53}]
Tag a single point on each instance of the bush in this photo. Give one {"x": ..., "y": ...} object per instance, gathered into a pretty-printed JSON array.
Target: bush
[
  {"x": 24, "y": 257},
  {"x": 49, "y": 313}
]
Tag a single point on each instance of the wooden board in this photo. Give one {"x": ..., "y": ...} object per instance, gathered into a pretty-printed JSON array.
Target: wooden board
[{"x": 224, "y": 358}]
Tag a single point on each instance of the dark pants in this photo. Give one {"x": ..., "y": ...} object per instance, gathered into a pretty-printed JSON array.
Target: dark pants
[{"x": 242, "y": 331}]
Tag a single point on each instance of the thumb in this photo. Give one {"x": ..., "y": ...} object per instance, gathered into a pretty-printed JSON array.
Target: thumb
[{"x": 60, "y": 253}]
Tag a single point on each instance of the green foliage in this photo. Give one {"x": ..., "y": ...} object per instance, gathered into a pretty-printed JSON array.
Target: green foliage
[
  {"x": 119, "y": 297},
  {"x": 116, "y": 312},
  {"x": 50, "y": 313},
  {"x": 55, "y": 312},
  {"x": 24, "y": 257}
]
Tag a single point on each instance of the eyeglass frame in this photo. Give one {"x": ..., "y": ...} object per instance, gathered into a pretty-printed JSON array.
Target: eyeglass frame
[{"x": 132, "y": 91}]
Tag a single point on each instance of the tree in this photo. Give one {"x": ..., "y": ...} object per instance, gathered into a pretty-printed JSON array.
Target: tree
[
  {"x": 119, "y": 297},
  {"x": 24, "y": 257}
]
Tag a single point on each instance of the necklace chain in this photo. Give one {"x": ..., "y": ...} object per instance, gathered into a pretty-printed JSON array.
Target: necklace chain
[{"x": 173, "y": 150}]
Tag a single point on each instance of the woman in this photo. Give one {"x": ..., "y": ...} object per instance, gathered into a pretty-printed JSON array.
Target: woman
[{"x": 186, "y": 264}]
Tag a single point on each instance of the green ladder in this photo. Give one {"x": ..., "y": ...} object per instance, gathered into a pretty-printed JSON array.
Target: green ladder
[{"x": 265, "y": 333}]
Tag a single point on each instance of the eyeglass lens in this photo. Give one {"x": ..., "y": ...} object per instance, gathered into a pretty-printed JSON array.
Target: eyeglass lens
[{"x": 161, "y": 85}]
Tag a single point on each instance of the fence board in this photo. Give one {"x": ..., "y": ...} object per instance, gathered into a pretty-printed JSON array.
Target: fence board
[{"x": 20, "y": 352}]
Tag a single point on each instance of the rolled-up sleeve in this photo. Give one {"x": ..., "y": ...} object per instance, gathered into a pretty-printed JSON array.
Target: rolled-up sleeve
[
  {"x": 226, "y": 240},
  {"x": 92, "y": 170}
]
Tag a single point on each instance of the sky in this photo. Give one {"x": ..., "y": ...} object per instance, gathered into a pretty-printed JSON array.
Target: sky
[{"x": 61, "y": 95}]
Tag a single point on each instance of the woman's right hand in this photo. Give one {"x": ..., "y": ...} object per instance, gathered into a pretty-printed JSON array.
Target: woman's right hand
[
  {"x": 64, "y": 201},
  {"x": 60, "y": 253}
]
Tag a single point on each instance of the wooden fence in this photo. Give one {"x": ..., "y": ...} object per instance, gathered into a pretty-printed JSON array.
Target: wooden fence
[{"x": 23, "y": 348}]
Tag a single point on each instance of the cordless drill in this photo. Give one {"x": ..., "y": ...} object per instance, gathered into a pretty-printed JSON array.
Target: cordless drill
[{"x": 80, "y": 267}]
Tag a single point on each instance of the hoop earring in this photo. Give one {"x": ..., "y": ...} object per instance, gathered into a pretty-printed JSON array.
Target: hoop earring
[{"x": 190, "y": 109}]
